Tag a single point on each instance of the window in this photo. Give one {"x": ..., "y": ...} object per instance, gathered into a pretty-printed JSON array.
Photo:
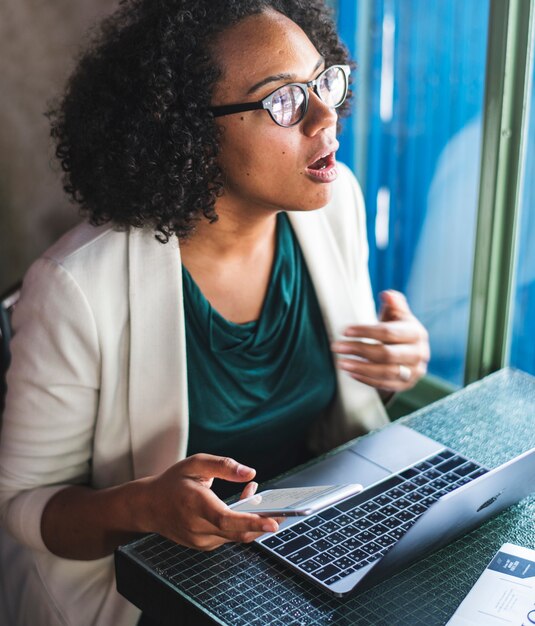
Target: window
[{"x": 438, "y": 85}]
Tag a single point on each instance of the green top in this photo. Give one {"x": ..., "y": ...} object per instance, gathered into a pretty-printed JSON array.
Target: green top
[{"x": 255, "y": 388}]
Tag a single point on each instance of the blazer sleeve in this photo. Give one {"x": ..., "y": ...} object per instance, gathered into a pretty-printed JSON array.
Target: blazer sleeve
[{"x": 52, "y": 400}]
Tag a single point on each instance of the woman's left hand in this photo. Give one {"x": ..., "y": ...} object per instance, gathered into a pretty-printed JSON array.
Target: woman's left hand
[{"x": 392, "y": 355}]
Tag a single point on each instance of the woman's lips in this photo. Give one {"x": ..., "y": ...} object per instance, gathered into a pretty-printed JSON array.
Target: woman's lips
[{"x": 327, "y": 172}]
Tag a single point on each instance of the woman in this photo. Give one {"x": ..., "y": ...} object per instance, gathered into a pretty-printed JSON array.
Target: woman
[{"x": 183, "y": 334}]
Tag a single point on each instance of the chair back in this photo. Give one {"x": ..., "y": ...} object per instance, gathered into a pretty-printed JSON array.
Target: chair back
[{"x": 8, "y": 302}]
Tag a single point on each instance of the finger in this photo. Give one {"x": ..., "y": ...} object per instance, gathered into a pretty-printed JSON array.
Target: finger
[
  {"x": 380, "y": 373},
  {"x": 394, "y": 306},
  {"x": 249, "y": 490},
  {"x": 395, "y": 354},
  {"x": 384, "y": 377},
  {"x": 209, "y": 466},
  {"x": 406, "y": 331},
  {"x": 225, "y": 520}
]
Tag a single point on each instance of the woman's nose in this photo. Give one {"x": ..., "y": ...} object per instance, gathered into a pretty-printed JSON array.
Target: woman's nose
[{"x": 319, "y": 115}]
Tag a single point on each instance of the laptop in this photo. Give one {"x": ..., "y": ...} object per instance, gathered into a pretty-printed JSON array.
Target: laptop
[{"x": 418, "y": 496}]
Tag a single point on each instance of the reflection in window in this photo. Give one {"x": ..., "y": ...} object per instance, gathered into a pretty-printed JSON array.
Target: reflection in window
[
  {"x": 415, "y": 138},
  {"x": 523, "y": 327}
]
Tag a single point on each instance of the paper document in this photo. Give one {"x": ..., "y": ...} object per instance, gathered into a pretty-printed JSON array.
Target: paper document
[{"x": 503, "y": 594}]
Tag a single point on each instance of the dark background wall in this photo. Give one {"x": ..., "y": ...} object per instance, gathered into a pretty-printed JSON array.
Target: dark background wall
[{"x": 39, "y": 40}]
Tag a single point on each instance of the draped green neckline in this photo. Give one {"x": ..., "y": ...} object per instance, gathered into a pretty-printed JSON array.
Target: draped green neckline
[{"x": 255, "y": 388}]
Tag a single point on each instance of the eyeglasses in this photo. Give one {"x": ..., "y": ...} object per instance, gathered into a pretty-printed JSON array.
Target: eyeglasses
[{"x": 288, "y": 104}]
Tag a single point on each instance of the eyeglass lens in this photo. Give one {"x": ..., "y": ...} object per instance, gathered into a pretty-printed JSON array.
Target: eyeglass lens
[{"x": 288, "y": 102}]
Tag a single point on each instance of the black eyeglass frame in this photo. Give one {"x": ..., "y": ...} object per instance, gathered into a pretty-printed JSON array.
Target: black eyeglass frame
[{"x": 266, "y": 103}]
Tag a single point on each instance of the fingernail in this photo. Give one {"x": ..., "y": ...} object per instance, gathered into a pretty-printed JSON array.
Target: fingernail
[
  {"x": 243, "y": 470},
  {"x": 270, "y": 528}
]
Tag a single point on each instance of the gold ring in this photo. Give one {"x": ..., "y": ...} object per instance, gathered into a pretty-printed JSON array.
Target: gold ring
[{"x": 404, "y": 373}]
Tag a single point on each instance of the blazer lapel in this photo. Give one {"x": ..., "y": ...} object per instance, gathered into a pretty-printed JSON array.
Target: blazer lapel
[
  {"x": 359, "y": 408},
  {"x": 158, "y": 399}
]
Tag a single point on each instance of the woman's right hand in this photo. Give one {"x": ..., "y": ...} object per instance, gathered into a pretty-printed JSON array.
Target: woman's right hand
[{"x": 181, "y": 505}]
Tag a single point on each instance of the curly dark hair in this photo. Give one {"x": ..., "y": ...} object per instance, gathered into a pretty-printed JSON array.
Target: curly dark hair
[{"x": 134, "y": 132}]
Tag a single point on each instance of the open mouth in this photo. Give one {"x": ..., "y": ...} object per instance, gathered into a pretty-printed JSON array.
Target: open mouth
[
  {"x": 322, "y": 162},
  {"x": 324, "y": 168}
]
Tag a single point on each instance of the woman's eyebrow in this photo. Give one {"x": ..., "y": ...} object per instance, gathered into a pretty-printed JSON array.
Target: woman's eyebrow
[{"x": 279, "y": 77}]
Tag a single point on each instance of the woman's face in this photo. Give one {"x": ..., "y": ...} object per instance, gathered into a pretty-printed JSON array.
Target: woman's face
[{"x": 267, "y": 167}]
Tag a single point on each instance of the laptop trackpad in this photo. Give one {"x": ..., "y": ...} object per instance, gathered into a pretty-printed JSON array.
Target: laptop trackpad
[{"x": 340, "y": 469}]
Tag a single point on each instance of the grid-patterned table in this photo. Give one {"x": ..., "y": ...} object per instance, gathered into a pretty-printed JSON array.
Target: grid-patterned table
[{"x": 490, "y": 421}]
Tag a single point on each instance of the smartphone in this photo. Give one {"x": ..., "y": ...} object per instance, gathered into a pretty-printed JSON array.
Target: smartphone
[{"x": 296, "y": 501}]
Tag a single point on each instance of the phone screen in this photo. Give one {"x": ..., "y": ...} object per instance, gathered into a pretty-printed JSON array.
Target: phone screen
[{"x": 299, "y": 500}]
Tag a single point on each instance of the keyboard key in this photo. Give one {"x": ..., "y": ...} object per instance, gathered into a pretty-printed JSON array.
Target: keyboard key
[
  {"x": 370, "y": 506},
  {"x": 446, "y": 454},
  {"x": 300, "y": 528},
  {"x": 403, "y": 503},
  {"x": 376, "y": 517},
  {"x": 408, "y": 486},
  {"x": 396, "y": 493},
  {"x": 302, "y": 555},
  {"x": 367, "y": 494},
  {"x": 337, "y": 551},
  {"x": 272, "y": 542},
  {"x": 421, "y": 480},
  {"x": 356, "y": 514},
  {"x": 392, "y": 522},
  {"x": 358, "y": 555},
  {"x": 293, "y": 546},
  {"x": 351, "y": 544},
  {"x": 379, "y": 529},
  {"x": 362, "y": 524},
  {"x": 330, "y": 527},
  {"x": 385, "y": 541},
  {"x": 371, "y": 548},
  {"x": 310, "y": 566},
  {"x": 322, "y": 545},
  {"x": 418, "y": 509},
  {"x": 436, "y": 460},
  {"x": 397, "y": 533},
  {"x": 350, "y": 531},
  {"x": 427, "y": 502},
  {"x": 286, "y": 535},
  {"x": 336, "y": 537},
  {"x": 423, "y": 466},
  {"x": 383, "y": 499},
  {"x": 366, "y": 536},
  {"x": 333, "y": 579},
  {"x": 343, "y": 519},
  {"x": 451, "y": 464},
  {"x": 405, "y": 516},
  {"x": 451, "y": 477},
  {"x": 389, "y": 510},
  {"x": 409, "y": 473},
  {"x": 466, "y": 469},
  {"x": 432, "y": 473},
  {"x": 326, "y": 572},
  {"x": 316, "y": 533},
  {"x": 344, "y": 563},
  {"x": 414, "y": 496},
  {"x": 479, "y": 472},
  {"x": 323, "y": 559},
  {"x": 439, "y": 483},
  {"x": 328, "y": 514},
  {"x": 314, "y": 521}
]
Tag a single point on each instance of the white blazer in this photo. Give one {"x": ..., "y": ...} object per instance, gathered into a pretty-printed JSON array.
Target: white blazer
[{"x": 98, "y": 390}]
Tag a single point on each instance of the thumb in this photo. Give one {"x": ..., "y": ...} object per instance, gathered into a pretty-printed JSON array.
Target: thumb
[
  {"x": 394, "y": 306},
  {"x": 206, "y": 466}
]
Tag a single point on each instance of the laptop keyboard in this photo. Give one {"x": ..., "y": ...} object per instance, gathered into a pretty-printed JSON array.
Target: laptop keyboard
[{"x": 341, "y": 539}]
